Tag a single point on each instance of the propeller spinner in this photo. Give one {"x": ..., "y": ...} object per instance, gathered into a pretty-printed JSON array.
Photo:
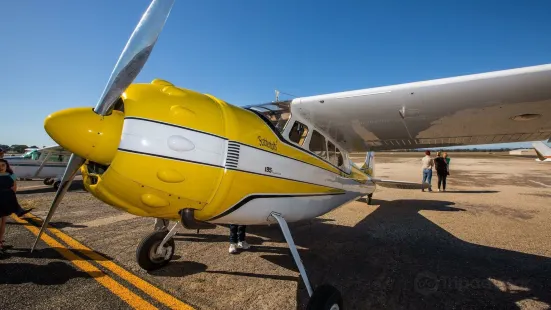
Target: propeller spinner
[{"x": 130, "y": 63}]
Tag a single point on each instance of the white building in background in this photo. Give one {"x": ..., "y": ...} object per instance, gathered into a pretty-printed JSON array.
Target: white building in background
[{"x": 527, "y": 152}]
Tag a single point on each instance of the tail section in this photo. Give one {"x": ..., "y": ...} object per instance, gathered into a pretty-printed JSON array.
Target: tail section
[
  {"x": 542, "y": 151},
  {"x": 369, "y": 164}
]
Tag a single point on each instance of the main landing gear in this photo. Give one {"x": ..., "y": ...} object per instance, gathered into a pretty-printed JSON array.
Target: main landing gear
[{"x": 325, "y": 297}]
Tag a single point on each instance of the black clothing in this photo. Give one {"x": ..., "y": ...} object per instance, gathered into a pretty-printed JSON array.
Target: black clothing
[
  {"x": 441, "y": 170},
  {"x": 8, "y": 200},
  {"x": 237, "y": 233},
  {"x": 441, "y": 165},
  {"x": 442, "y": 180}
]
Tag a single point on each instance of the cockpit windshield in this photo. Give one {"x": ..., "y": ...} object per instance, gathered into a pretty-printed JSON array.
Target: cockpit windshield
[{"x": 277, "y": 113}]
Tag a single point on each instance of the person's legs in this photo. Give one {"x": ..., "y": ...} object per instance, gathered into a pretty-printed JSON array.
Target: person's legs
[
  {"x": 2, "y": 232},
  {"x": 233, "y": 238},
  {"x": 439, "y": 180},
  {"x": 425, "y": 177},
  {"x": 241, "y": 232},
  {"x": 444, "y": 181},
  {"x": 430, "y": 179}
]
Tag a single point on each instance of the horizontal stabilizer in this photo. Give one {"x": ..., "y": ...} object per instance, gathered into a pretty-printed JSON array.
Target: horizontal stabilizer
[
  {"x": 400, "y": 184},
  {"x": 542, "y": 151}
]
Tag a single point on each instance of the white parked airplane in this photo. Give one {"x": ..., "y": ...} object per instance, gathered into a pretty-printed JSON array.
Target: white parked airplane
[
  {"x": 47, "y": 163},
  {"x": 542, "y": 151}
]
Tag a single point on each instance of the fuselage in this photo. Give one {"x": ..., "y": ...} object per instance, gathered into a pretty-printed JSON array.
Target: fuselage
[{"x": 181, "y": 149}]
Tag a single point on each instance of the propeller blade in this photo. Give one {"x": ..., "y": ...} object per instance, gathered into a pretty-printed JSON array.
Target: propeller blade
[
  {"x": 75, "y": 162},
  {"x": 135, "y": 53}
]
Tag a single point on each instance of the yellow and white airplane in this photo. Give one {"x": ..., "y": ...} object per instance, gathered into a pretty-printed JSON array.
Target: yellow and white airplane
[{"x": 161, "y": 151}]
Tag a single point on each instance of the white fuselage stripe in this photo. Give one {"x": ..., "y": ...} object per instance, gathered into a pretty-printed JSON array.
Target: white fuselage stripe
[
  {"x": 179, "y": 143},
  {"x": 158, "y": 139}
]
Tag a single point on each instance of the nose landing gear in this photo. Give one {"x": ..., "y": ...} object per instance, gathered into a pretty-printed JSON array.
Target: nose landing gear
[{"x": 156, "y": 249}]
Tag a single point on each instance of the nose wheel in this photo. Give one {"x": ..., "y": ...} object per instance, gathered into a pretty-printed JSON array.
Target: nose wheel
[{"x": 156, "y": 249}]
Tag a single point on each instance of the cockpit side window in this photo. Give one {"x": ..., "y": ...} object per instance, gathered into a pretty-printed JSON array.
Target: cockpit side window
[
  {"x": 340, "y": 160},
  {"x": 298, "y": 133},
  {"x": 317, "y": 145},
  {"x": 331, "y": 152}
]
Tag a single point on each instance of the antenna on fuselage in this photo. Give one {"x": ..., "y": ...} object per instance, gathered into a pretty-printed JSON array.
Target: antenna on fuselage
[{"x": 277, "y": 92}]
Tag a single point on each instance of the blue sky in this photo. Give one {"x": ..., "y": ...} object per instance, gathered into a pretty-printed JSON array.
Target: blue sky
[{"x": 58, "y": 54}]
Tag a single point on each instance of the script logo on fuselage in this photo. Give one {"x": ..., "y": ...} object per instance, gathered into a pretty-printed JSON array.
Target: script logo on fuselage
[{"x": 268, "y": 144}]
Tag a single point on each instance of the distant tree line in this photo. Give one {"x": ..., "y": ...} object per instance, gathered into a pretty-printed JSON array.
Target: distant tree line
[{"x": 16, "y": 148}]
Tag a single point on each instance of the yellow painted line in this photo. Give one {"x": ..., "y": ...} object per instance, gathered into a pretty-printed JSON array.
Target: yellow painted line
[
  {"x": 165, "y": 298},
  {"x": 116, "y": 288}
]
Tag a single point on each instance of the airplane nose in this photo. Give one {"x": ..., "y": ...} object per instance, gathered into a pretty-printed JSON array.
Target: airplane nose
[{"x": 86, "y": 133}]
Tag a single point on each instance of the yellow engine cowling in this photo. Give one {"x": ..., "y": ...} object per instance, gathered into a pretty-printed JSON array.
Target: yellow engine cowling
[{"x": 147, "y": 176}]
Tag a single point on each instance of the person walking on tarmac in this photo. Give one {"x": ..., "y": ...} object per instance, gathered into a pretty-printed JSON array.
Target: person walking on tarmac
[
  {"x": 427, "y": 164},
  {"x": 441, "y": 170}
]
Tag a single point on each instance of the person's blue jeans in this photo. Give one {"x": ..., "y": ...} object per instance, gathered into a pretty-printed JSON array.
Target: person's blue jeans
[{"x": 427, "y": 175}]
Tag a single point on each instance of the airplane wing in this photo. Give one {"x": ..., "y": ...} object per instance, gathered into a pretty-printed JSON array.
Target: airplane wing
[
  {"x": 51, "y": 148},
  {"x": 495, "y": 107}
]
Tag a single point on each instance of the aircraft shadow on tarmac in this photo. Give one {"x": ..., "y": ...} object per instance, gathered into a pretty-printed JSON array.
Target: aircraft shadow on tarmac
[
  {"x": 397, "y": 258},
  {"x": 58, "y": 225},
  {"x": 52, "y": 253},
  {"x": 54, "y": 273}
]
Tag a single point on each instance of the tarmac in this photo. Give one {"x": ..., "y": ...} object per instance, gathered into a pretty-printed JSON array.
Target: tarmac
[{"x": 484, "y": 243}]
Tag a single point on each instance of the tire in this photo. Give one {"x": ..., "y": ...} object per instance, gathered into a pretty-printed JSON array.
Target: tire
[
  {"x": 325, "y": 297},
  {"x": 145, "y": 252},
  {"x": 56, "y": 185},
  {"x": 48, "y": 181}
]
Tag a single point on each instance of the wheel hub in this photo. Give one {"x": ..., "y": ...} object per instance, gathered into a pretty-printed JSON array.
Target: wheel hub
[{"x": 166, "y": 253}]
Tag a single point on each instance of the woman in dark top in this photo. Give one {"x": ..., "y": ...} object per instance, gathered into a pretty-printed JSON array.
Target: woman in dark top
[
  {"x": 441, "y": 170},
  {"x": 8, "y": 200}
]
